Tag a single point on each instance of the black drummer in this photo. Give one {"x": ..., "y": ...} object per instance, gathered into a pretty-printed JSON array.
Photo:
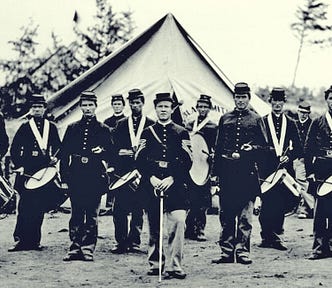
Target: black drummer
[
  {"x": 85, "y": 149},
  {"x": 126, "y": 139},
  {"x": 200, "y": 196},
  {"x": 318, "y": 160},
  {"x": 240, "y": 140},
  {"x": 34, "y": 147},
  {"x": 285, "y": 147}
]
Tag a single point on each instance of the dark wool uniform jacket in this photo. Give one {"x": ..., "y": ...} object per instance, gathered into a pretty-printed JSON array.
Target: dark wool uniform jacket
[
  {"x": 113, "y": 120},
  {"x": 303, "y": 129},
  {"x": 80, "y": 166},
  {"x": 4, "y": 142},
  {"x": 164, "y": 159}
]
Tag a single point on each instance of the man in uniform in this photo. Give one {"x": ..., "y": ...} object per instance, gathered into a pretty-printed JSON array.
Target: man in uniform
[
  {"x": 118, "y": 105},
  {"x": 126, "y": 139},
  {"x": 85, "y": 150},
  {"x": 34, "y": 147},
  {"x": 305, "y": 209},
  {"x": 284, "y": 143},
  {"x": 240, "y": 140},
  {"x": 4, "y": 142},
  {"x": 318, "y": 160},
  {"x": 200, "y": 196},
  {"x": 164, "y": 162}
]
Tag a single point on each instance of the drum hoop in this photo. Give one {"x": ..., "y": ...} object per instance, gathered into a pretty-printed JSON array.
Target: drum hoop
[
  {"x": 327, "y": 181},
  {"x": 38, "y": 181},
  {"x": 124, "y": 179},
  {"x": 203, "y": 169},
  {"x": 278, "y": 173}
]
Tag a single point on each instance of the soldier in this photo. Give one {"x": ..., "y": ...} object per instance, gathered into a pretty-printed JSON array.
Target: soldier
[
  {"x": 305, "y": 209},
  {"x": 239, "y": 142},
  {"x": 118, "y": 105},
  {"x": 33, "y": 148},
  {"x": 85, "y": 149},
  {"x": 285, "y": 147},
  {"x": 318, "y": 160},
  {"x": 4, "y": 142},
  {"x": 126, "y": 138},
  {"x": 200, "y": 196},
  {"x": 164, "y": 162}
]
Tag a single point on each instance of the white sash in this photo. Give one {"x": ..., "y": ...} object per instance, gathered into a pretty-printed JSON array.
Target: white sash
[
  {"x": 134, "y": 139},
  {"x": 42, "y": 140},
  {"x": 196, "y": 127},
  {"x": 278, "y": 145},
  {"x": 329, "y": 120}
]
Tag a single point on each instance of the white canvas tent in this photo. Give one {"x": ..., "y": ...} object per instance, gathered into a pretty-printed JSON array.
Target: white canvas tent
[{"x": 164, "y": 58}]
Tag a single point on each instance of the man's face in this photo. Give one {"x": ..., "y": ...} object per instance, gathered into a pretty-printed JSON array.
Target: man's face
[
  {"x": 303, "y": 116},
  {"x": 329, "y": 101},
  {"x": 88, "y": 108},
  {"x": 203, "y": 109},
  {"x": 136, "y": 106},
  {"x": 37, "y": 110},
  {"x": 117, "y": 106},
  {"x": 241, "y": 101},
  {"x": 164, "y": 110},
  {"x": 277, "y": 106}
]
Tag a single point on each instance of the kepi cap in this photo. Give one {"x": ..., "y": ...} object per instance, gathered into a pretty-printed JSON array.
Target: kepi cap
[
  {"x": 241, "y": 88},
  {"x": 37, "y": 99},
  {"x": 163, "y": 97},
  {"x": 278, "y": 94},
  {"x": 304, "y": 107},
  {"x": 117, "y": 97},
  {"x": 134, "y": 94},
  {"x": 88, "y": 95},
  {"x": 327, "y": 92},
  {"x": 205, "y": 99}
]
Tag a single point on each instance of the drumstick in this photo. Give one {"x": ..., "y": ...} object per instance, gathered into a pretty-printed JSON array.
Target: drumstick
[{"x": 26, "y": 175}]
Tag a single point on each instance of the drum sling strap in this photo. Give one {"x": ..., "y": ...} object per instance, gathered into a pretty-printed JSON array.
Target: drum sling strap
[
  {"x": 156, "y": 136},
  {"x": 42, "y": 140}
]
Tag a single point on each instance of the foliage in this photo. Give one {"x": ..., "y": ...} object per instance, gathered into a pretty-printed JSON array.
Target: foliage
[
  {"x": 311, "y": 22},
  {"x": 58, "y": 65}
]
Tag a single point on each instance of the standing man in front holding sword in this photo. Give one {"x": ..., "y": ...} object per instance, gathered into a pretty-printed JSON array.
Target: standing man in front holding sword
[
  {"x": 200, "y": 196},
  {"x": 285, "y": 147},
  {"x": 126, "y": 139},
  {"x": 32, "y": 149}
]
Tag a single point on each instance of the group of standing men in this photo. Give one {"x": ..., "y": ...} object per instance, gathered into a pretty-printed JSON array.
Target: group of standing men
[{"x": 243, "y": 144}]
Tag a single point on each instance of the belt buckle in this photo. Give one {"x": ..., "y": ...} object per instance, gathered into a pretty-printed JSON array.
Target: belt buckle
[
  {"x": 329, "y": 153},
  {"x": 163, "y": 164},
  {"x": 35, "y": 153},
  {"x": 84, "y": 160}
]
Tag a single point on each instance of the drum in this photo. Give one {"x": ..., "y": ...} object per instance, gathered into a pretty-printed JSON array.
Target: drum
[
  {"x": 325, "y": 187},
  {"x": 281, "y": 177},
  {"x": 6, "y": 192},
  {"x": 131, "y": 179},
  {"x": 46, "y": 182},
  {"x": 200, "y": 169}
]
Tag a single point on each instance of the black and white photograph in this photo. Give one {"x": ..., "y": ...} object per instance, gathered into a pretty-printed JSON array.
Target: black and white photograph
[{"x": 163, "y": 143}]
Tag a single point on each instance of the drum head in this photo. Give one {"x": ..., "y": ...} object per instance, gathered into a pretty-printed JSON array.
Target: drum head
[
  {"x": 40, "y": 178},
  {"x": 124, "y": 179},
  {"x": 199, "y": 171},
  {"x": 272, "y": 180},
  {"x": 325, "y": 188}
]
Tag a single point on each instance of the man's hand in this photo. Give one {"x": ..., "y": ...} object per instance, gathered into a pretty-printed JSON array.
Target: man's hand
[
  {"x": 64, "y": 185},
  {"x": 19, "y": 171},
  {"x": 166, "y": 183},
  {"x": 311, "y": 177},
  {"x": 53, "y": 160},
  {"x": 97, "y": 150}
]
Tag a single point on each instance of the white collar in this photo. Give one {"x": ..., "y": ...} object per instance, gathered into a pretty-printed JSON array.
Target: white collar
[{"x": 165, "y": 123}]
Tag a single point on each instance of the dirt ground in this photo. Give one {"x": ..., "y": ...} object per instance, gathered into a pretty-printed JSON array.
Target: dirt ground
[{"x": 270, "y": 268}]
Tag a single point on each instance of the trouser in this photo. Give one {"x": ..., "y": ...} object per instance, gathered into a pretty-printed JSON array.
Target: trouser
[
  {"x": 272, "y": 214},
  {"x": 29, "y": 219},
  {"x": 126, "y": 202},
  {"x": 109, "y": 200},
  {"x": 323, "y": 226},
  {"x": 196, "y": 221},
  {"x": 83, "y": 224},
  {"x": 175, "y": 225},
  {"x": 308, "y": 201},
  {"x": 236, "y": 229}
]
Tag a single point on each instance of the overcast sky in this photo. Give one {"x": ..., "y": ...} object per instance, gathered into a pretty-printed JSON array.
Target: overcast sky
[{"x": 250, "y": 40}]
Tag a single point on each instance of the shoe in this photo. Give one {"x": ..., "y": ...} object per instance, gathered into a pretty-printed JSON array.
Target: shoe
[
  {"x": 317, "y": 256},
  {"x": 37, "y": 247},
  {"x": 135, "y": 249},
  {"x": 201, "y": 238},
  {"x": 264, "y": 244},
  {"x": 177, "y": 274},
  {"x": 243, "y": 260},
  {"x": 223, "y": 259},
  {"x": 88, "y": 257},
  {"x": 17, "y": 247},
  {"x": 119, "y": 250},
  {"x": 279, "y": 246},
  {"x": 73, "y": 257},
  {"x": 153, "y": 272}
]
